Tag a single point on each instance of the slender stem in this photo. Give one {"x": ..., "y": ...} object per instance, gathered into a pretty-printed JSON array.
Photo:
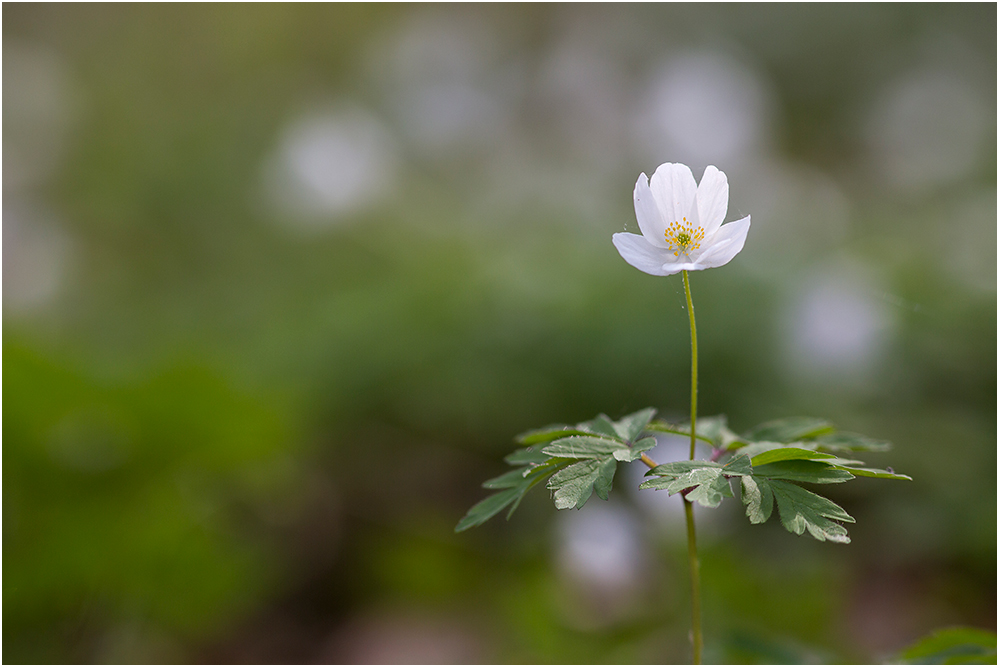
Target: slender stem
[
  {"x": 694, "y": 360},
  {"x": 696, "y": 640}
]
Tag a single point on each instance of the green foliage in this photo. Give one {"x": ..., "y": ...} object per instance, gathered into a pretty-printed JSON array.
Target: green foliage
[
  {"x": 770, "y": 460},
  {"x": 124, "y": 493},
  {"x": 789, "y": 430},
  {"x": 801, "y": 509},
  {"x": 580, "y": 459},
  {"x": 959, "y": 645},
  {"x": 707, "y": 482},
  {"x": 514, "y": 485}
]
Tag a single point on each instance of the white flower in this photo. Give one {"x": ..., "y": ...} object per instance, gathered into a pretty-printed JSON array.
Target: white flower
[{"x": 681, "y": 223}]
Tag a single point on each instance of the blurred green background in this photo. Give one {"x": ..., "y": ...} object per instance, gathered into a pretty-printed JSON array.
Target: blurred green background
[{"x": 281, "y": 283}]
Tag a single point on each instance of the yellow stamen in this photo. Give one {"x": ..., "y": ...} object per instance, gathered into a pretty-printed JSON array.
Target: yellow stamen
[{"x": 682, "y": 237}]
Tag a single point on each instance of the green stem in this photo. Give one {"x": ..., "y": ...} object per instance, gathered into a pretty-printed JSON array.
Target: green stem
[
  {"x": 696, "y": 641},
  {"x": 694, "y": 361},
  {"x": 688, "y": 509}
]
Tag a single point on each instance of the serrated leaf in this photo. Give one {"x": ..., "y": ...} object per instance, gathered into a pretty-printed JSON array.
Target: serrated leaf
[
  {"x": 605, "y": 477},
  {"x": 514, "y": 485},
  {"x": 757, "y": 497},
  {"x": 546, "y": 434},
  {"x": 573, "y": 485},
  {"x": 668, "y": 428},
  {"x": 583, "y": 447},
  {"x": 641, "y": 446},
  {"x": 788, "y": 430},
  {"x": 801, "y": 510},
  {"x": 633, "y": 453},
  {"x": 714, "y": 429},
  {"x": 677, "y": 468},
  {"x": 711, "y": 493},
  {"x": 802, "y": 470},
  {"x": 601, "y": 424},
  {"x": 690, "y": 478},
  {"x": 630, "y": 426},
  {"x": 785, "y": 454},
  {"x": 513, "y": 478},
  {"x": 845, "y": 441},
  {"x": 526, "y": 456},
  {"x": 487, "y": 508},
  {"x": 866, "y": 472},
  {"x": 739, "y": 465},
  {"x": 753, "y": 449}
]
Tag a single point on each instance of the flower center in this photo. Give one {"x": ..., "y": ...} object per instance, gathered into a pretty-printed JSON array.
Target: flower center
[{"x": 682, "y": 237}]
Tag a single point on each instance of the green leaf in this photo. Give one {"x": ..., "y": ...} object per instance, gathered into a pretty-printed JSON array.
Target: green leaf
[
  {"x": 667, "y": 428},
  {"x": 605, "y": 476},
  {"x": 630, "y": 426},
  {"x": 959, "y": 645},
  {"x": 708, "y": 479},
  {"x": 601, "y": 424},
  {"x": 711, "y": 430},
  {"x": 487, "y": 508},
  {"x": 715, "y": 430},
  {"x": 677, "y": 468},
  {"x": 845, "y": 441},
  {"x": 515, "y": 484},
  {"x": 583, "y": 447},
  {"x": 710, "y": 494},
  {"x": 691, "y": 478},
  {"x": 513, "y": 478},
  {"x": 849, "y": 465},
  {"x": 789, "y": 430},
  {"x": 526, "y": 456},
  {"x": 802, "y": 470},
  {"x": 546, "y": 434},
  {"x": 785, "y": 454},
  {"x": 757, "y": 497},
  {"x": 739, "y": 465},
  {"x": 757, "y": 447},
  {"x": 573, "y": 485},
  {"x": 633, "y": 453},
  {"x": 801, "y": 510}
]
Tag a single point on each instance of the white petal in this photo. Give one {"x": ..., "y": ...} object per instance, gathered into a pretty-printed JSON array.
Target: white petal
[
  {"x": 727, "y": 242},
  {"x": 713, "y": 199},
  {"x": 648, "y": 213},
  {"x": 641, "y": 254},
  {"x": 674, "y": 189},
  {"x": 671, "y": 268}
]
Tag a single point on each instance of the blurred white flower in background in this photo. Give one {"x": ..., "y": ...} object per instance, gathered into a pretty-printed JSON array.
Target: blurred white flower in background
[
  {"x": 39, "y": 109},
  {"x": 602, "y": 554},
  {"x": 927, "y": 128},
  {"x": 443, "y": 82},
  {"x": 800, "y": 211},
  {"x": 681, "y": 223},
  {"x": 836, "y": 327},
  {"x": 969, "y": 240},
  {"x": 36, "y": 254},
  {"x": 704, "y": 107},
  {"x": 580, "y": 92},
  {"x": 328, "y": 165}
]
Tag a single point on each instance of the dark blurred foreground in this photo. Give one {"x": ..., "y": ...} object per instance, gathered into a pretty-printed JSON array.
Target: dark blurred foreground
[{"x": 281, "y": 283}]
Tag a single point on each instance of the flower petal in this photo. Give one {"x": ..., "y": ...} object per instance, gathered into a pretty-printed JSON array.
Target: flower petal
[
  {"x": 713, "y": 199},
  {"x": 674, "y": 189},
  {"x": 728, "y": 241},
  {"x": 671, "y": 268},
  {"x": 642, "y": 255},
  {"x": 648, "y": 213}
]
